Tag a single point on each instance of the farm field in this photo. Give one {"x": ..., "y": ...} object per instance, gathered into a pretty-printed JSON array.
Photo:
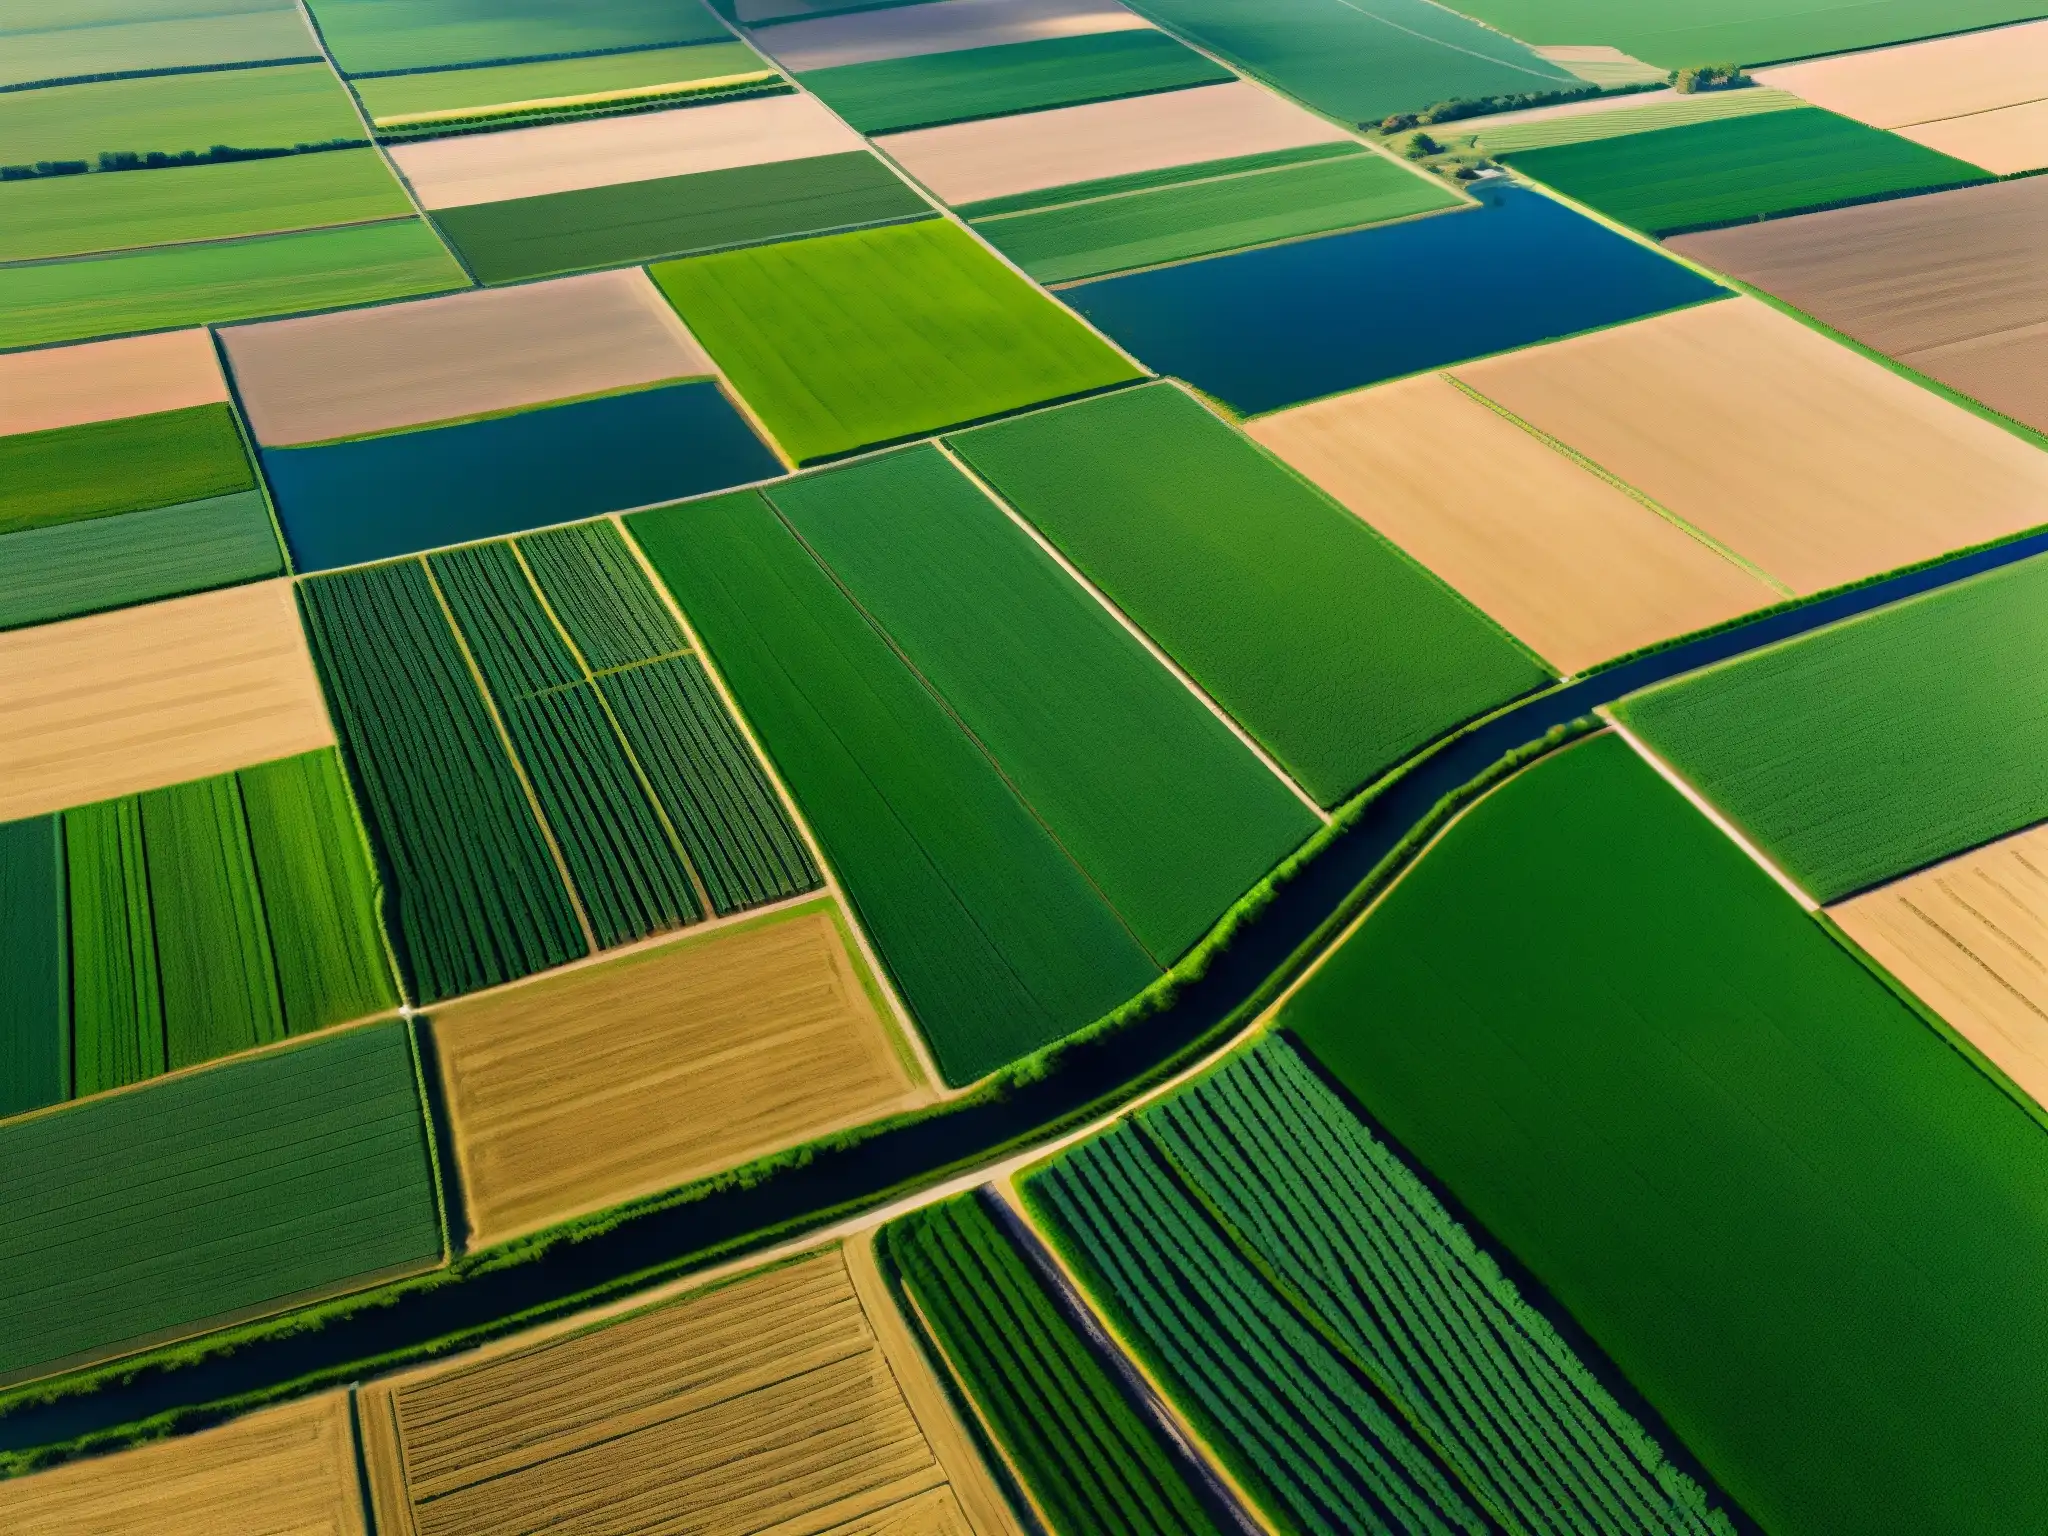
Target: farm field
[
  {"x": 788, "y": 1398},
  {"x": 973, "y": 164},
  {"x": 931, "y": 89},
  {"x": 368, "y": 498},
  {"x": 1844, "y": 809},
  {"x": 393, "y": 36},
  {"x": 1574, "y": 567},
  {"x": 939, "y": 26},
  {"x": 107, "y": 380},
  {"x": 99, "y": 468},
  {"x": 1804, "y": 1227},
  {"x": 1614, "y": 117},
  {"x": 1032, "y": 1377},
  {"x": 1204, "y": 541},
  {"x": 1271, "y": 328},
  {"x": 309, "y": 1168},
  {"x": 1740, "y": 169},
  {"x": 846, "y": 341},
  {"x": 156, "y": 34},
  {"x": 356, "y": 372},
  {"x": 1946, "y": 283},
  {"x": 223, "y": 281},
  {"x": 118, "y": 703},
  {"x": 995, "y": 938},
  {"x": 285, "y": 1469},
  {"x": 1200, "y": 218},
  {"x": 442, "y": 100},
  {"x": 276, "y": 108},
  {"x": 1360, "y": 65},
  {"x": 696, "y": 1057},
  {"x": 1818, "y": 466}
]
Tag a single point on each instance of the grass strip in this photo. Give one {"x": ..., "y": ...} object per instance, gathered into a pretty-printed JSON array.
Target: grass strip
[
  {"x": 596, "y": 589},
  {"x": 117, "y": 1007},
  {"x": 35, "y": 1021},
  {"x": 133, "y": 463}
]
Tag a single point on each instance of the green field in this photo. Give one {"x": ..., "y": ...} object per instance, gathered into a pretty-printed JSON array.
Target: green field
[
  {"x": 1165, "y": 176},
  {"x": 232, "y": 280},
  {"x": 151, "y": 34},
  {"x": 137, "y": 557},
  {"x": 100, "y": 468},
  {"x": 1803, "y": 1225},
  {"x": 1739, "y": 169},
  {"x": 455, "y": 90},
  {"x": 232, "y": 1192},
  {"x": 1090, "y": 1461},
  {"x": 851, "y": 340},
  {"x": 392, "y": 36},
  {"x": 1665, "y": 110},
  {"x": 76, "y": 215},
  {"x": 1167, "y": 812},
  {"x": 1363, "y": 1247},
  {"x": 1336, "y": 652},
  {"x": 596, "y": 591},
  {"x": 890, "y": 95},
  {"x": 473, "y": 896},
  {"x": 676, "y": 215},
  {"x": 1359, "y": 63},
  {"x": 1678, "y": 32},
  {"x": 35, "y": 1001},
  {"x": 1173, "y": 223},
  {"x": 1315, "y": 1442},
  {"x": 1878, "y": 746},
  {"x": 247, "y": 108},
  {"x": 995, "y": 938}
]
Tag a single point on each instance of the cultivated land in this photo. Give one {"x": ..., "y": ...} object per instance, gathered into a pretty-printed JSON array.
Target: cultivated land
[
  {"x": 417, "y": 101},
  {"x": 308, "y": 1169},
  {"x": 106, "y": 380},
  {"x": 1970, "y": 937},
  {"x": 567, "y": 157},
  {"x": 371, "y": 36},
  {"x": 1950, "y": 283},
  {"x": 787, "y": 1400},
  {"x": 473, "y": 354},
  {"x": 1875, "y": 747},
  {"x": 1802, "y": 1225},
  {"x": 973, "y": 162},
  {"x": 221, "y": 281},
  {"x": 900, "y": 31},
  {"x": 288, "y": 1471},
  {"x": 155, "y": 34},
  {"x": 1740, "y": 169},
  {"x": 1273, "y": 598},
  {"x": 1919, "y": 85},
  {"x": 849, "y": 340},
  {"x": 1817, "y": 465},
  {"x": 98, "y": 468},
  {"x": 247, "y": 108},
  {"x": 1611, "y": 117},
  {"x": 1569, "y": 564},
  {"x": 128, "y": 701},
  {"x": 2010, "y": 141},
  {"x": 996, "y": 940},
  {"x": 694, "y": 1058}
]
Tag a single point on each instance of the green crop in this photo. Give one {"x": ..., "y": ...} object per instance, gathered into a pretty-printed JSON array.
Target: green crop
[
  {"x": 1164, "y": 176},
  {"x": 274, "y": 108},
  {"x": 35, "y": 1021},
  {"x": 117, "y": 1011},
  {"x": 517, "y": 649},
  {"x": 597, "y": 591},
  {"x": 99, "y": 468},
  {"x": 381, "y": 36}
]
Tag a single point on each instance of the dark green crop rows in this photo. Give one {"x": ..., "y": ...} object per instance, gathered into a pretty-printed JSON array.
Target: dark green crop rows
[
  {"x": 100, "y": 468},
  {"x": 593, "y": 584},
  {"x": 1091, "y": 1462}
]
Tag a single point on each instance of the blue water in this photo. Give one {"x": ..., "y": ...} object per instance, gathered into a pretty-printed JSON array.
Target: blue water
[
  {"x": 1289, "y": 323},
  {"x": 344, "y": 503}
]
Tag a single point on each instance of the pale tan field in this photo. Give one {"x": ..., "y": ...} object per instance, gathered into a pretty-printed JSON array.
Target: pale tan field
[
  {"x": 944, "y": 26},
  {"x": 1602, "y": 65},
  {"x": 966, "y": 162},
  {"x": 104, "y": 380},
  {"x": 766, "y": 1404},
  {"x": 492, "y": 349},
  {"x": 1574, "y": 568},
  {"x": 1970, "y": 937},
  {"x": 286, "y": 1471},
  {"x": 2005, "y": 142},
  {"x": 563, "y": 157},
  {"x": 122, "y": 702},
  {"x": 1808, "y": 460},
  {"x": 1925, "y": 82},
  {"x": 585, "y": 1090}
]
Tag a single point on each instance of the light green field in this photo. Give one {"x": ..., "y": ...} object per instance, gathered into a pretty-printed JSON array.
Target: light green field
[
  {"x": 455, "y": 90},
  {"x": 106, "y": 39},
  {"x": 229, "y": 280},
  {"x": 375, "y": 36},
  {"x": 74, "y": 215},
  {"x": 1670, "y": 111},
  {"x": 248, "y": 108}
]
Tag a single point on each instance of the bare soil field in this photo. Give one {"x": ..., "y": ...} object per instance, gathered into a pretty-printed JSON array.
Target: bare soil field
[
  {"x": 122, "y": 702},
  {"x": 606, "y": 152},
  {"x": 1811, "y": 462},
  {"x": 585, "y": 1090},
  {"x": 287, "y": 1471},
  {"x": 1574, "y": 568},
  {"x": 1952, "y": 284},
  {"x": 2006, "y": 142},
  {"x": 767, "y": 1403},
  {"x": 966, "y": 162},
  {"x": 945, "y": 26},
  {"x": 400, "y": 365},
  {"x": 1924, "y": 82},
  {"x": 1970, "y": 937},
  {"x": 106, "y": 380}
]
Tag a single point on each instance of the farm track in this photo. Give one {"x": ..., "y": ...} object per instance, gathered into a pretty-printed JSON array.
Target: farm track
[{"x": 915, "y": 1164}]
